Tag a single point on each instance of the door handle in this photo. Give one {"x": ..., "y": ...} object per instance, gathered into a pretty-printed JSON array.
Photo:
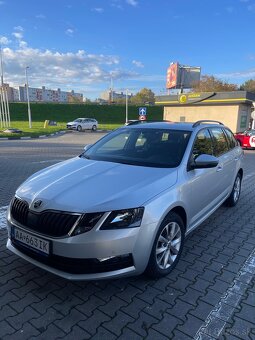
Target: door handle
[{"x": 219, "y": 168}]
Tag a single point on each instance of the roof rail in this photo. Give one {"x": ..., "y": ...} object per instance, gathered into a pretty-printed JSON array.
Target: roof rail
[{"x": 206, "y": 120}]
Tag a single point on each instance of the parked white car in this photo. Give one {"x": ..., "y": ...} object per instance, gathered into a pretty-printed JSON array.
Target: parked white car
[{"x": 81, "y": 124}]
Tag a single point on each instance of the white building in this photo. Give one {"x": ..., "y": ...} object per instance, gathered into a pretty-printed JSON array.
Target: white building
[
  {"x": 109, "y": 95},
  {"x": 43, "y": 95}
]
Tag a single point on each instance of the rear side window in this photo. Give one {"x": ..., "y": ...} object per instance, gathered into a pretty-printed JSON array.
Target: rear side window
[
  {"x": 203, "y": 144},
  {"x": 220, "y": 143},
  {"x": 231, "y": 139}
]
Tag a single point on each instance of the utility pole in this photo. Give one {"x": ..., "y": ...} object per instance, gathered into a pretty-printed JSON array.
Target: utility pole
[
  {"x": 28, "y": 102},
  {"x": 126, "y": 105},
  {"x": 4, "y": 105}
]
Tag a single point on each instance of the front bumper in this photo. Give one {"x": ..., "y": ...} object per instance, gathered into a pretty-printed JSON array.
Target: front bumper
[
  {"x": 71, "y": 127},
  {"x": 98, "y": 254}
]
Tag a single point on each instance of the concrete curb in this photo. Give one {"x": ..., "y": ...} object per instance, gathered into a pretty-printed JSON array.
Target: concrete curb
[
  {"x": 45, "y": 136},
  {"x": 29, "y": 137}
]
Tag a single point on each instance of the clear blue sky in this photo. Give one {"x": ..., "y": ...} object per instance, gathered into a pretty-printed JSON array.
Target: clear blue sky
[{"x": 79, "y": 44}]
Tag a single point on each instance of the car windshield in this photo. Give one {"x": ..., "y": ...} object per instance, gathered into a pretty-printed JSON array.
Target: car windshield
[
  {"x": 79, "y": 120},
  {"x": 142, "y": 147}
]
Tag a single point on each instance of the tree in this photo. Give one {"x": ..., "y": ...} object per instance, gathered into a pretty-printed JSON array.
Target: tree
[
  {"x": 249, "y": 86},
  {"x": 142, "y": 97},
  {"x": 213, "y": 84}
]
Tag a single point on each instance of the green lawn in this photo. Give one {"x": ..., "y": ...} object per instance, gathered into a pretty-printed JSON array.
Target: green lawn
[{"x": 109, "y": 117}]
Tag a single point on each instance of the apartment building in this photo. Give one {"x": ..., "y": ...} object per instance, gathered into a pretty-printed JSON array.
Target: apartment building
[{"x": 42, "y": 95}]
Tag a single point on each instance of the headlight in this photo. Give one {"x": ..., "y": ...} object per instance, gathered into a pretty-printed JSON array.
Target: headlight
[
  {"x": 119, "y": 219},
  {"x": 86, "y": 223}
]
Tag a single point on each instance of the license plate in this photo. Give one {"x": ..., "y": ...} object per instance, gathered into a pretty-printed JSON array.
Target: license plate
[{"x": 31, "y": 241}]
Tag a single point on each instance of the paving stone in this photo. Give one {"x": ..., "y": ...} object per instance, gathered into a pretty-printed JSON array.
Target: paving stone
[
  {"x": 93, "y": 322},
  {"x": 42, "y": 306},
  {"x": 155, "y": 335},
  {"x": 119, "y": 321},
  {"x": 26, "y": 301},
  {"x": 52, "y": 332},
  {"x": 250, "y": 300},
  {"x": 108, "y": 293},
  {"x": 26, "y": 332},
  {"x": 219, "y": 286},
  {"x": 44, "y": 320},
  {"x": 7, "y": 311},
  {"x": 211, "y": 297},
  {"x": 208, "y": 275},
  {"x": 163, "y": 283},
  {"x": 18, "y": 320},
  {"x": 180, "y": 284},
  {"x": 77, "y": 333},
  {"x": 170, "y": 295},
  {"x": 70, "y": 320},
  {"x": 130, "y": 335},
  {"x": 8, "y": 287},
  {"x": 22, "y": 291},
  {"x": 103, "y": 333},
  {"x": 199, "y": 266},
  {"x": 90, "y": 305},
  {"x": 247, "y": 313},
  {"x": 135, "y": 307},
  {"x": 111, "y": 307},
  {"x": 181, "y": 336},
  {"x": 180, "y": 309},
  {"x": 241, "y": 329},
  {"x": 149, "y": 295},
  {"x": 5, "y": 329},
  {"x": 191, "y": 296},
  {"x": 167, "y": 325},
  {"x": 7, "y": 298},
  {"x": 158, "y": 308},
  {"x": 129, "y": 293},
  {"x": 200, "y": 285},
  {"x": 142, "y": 324},
  {"x": 64, "y": 307},
  {"x": 202, "y": 310}
]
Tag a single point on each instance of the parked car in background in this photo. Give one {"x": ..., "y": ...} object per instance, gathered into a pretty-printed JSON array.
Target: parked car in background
[
  {"x": 81, "y": 124},
  {"x": 125, "y": 205},
  {"x": 246, "y": 139}
]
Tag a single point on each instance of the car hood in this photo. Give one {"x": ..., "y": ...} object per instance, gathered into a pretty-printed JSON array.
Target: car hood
[
  {"x": 72, "y": 123},
  {"x": 81, "y": 185}
]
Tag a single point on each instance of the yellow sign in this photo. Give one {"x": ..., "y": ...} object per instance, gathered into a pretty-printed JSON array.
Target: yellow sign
[{"x": 183, "y": 99}]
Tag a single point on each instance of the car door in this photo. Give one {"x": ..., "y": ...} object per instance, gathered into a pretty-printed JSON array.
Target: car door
[
  {"x": 204, "y": 186},
  {"x": 85, "y": 124},
  {"x": 226, "y": 156}
]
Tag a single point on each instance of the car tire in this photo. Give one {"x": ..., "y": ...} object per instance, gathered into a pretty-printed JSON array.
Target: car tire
[
  {"x": 233, "y": 199},
  {"x": 94, "y": 128},
  {"x": 167, "y": 247},
  {"x": 79, "y": 128}
]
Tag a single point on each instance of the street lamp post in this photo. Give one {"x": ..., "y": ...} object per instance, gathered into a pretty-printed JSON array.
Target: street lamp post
[
  {"x": 126, "y": 105},
  {"x": 28, "y": 103}
]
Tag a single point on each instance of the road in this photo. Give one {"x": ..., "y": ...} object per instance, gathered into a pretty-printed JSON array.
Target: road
[{"x": 209, "y": 295}]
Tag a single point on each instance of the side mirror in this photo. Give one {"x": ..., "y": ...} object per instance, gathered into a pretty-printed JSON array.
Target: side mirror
[
  {"x": 86, "y": 147},
  {"x": 204, "y": 162}
]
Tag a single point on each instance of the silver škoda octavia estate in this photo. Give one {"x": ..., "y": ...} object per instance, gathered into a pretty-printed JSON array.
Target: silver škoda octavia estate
[{"x": 124, "y": 206}]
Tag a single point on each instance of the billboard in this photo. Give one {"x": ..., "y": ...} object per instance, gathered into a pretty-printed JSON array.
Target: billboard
[
  {"x": 171, "y": 78},
  {"x": 182, "y": 76}
]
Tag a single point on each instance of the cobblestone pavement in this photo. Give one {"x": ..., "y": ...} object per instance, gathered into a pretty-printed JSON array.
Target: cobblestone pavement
[{"x": 209, "y": 295}]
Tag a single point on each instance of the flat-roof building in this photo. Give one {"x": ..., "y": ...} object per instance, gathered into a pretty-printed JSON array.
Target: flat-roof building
[{"x": 231, "y": 108}]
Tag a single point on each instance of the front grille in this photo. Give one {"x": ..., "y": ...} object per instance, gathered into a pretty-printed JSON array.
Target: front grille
[
  {"x": 19, "y": 210},
  {"x": 51, "y": 223},
  {"x": 78, "y": 266}
]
